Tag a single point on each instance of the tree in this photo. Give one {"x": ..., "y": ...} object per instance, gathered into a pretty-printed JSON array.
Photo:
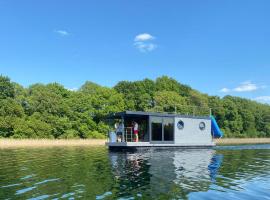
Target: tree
[
  {"x": 6, "y": 88},
  {"x": 166, "y": 83},
  {"x": 137, "y": 95},
  {"x": 32, "y": 128},
  {"x": 52, "y": 111},
  {"x": 233, "y": 121},
  {"x": 10, "y": 111},
  {"x": 42, "y": 99},
  {"x": 217, "y": 109},
  {"x": 104, "y": 101},
  {"x": 169, "y": 101}
]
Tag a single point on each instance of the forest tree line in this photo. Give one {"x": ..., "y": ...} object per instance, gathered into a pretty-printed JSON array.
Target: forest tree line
[{"x": 52, "y": 111}]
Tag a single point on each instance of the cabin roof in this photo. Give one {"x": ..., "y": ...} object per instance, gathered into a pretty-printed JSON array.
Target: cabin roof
[{"x": 145, "y": 114}]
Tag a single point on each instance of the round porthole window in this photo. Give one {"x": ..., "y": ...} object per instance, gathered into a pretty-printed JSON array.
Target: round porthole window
[
  {"x": 180, "y": 125},
  {"x": 202, "y": 126}
]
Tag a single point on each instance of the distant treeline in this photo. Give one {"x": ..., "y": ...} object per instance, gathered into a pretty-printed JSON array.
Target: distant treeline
[{"x": 52, "y": 111}]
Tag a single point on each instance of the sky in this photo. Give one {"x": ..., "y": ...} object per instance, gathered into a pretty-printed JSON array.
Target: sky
[{"x": 217, "y": 47}]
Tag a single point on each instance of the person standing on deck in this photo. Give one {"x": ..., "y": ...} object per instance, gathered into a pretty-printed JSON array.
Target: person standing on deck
[
  {"x": 136, "y": 130},
  {"x": 119, "y": 129}
]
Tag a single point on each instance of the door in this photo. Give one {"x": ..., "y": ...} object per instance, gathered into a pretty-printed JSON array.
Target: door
[
  {"x": 162, "y": 129},
  {"x": 168, "y": 129},
  {"x": 156, "y": 128}
]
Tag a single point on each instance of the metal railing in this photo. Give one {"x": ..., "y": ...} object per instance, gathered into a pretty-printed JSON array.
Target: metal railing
[
  {"x": 128, "y": 134},
  {"x": 182, "y": 110}
]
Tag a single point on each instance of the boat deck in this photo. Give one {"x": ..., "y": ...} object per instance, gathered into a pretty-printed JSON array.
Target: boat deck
[{"x": 132, "y": 145}]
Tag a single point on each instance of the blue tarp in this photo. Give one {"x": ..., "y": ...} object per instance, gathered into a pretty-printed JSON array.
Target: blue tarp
[{"x": 217, "y": 133}]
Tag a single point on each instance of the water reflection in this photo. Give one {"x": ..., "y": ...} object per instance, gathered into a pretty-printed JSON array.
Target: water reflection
[
  {"x": 95, "y": 173},
  {"x": 183, "y": 174},
  {"x": 161, "y": 172}
]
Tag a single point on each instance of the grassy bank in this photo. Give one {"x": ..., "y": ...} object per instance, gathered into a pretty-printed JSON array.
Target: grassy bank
[
  {"x": 13, "y": 143},
  {"x": 232, "y": 141}
]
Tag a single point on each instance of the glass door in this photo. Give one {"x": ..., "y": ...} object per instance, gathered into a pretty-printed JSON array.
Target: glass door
[
  {"x": 162, "y": 129},
  {"x": 156, "y": 128},
  {"x": 168, "y": 129}
]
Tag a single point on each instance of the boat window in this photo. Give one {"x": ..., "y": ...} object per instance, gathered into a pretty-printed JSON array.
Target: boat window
[
  {"x": 180, "y": 125},
  {"x": 202, "y": 126},
  {"x": 168, "y": 128}
]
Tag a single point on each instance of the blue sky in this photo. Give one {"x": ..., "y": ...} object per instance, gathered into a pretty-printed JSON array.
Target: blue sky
[{"x": 218, "y": 47}]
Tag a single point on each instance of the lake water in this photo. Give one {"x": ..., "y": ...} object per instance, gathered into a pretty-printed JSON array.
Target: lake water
[{"x": 233, "y": 172}]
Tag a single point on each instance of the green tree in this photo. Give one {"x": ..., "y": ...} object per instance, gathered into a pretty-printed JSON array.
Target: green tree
[
  {"x": 233, "y": 122},
  {"x": 6, "y": 88},
  {"x": 169, "y": 101},
  {"x": 32, "y": 128},
  {"x": 52, "y": 111},
  {"x": 137, "y": 95},
  {"x": 166, "y": 83},
  {"x": 10, "y": 110}
]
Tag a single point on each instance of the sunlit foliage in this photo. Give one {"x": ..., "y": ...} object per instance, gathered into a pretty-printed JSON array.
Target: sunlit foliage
[{"x": 52, "y": 111}]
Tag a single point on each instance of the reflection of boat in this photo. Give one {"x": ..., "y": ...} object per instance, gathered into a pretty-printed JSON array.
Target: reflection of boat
[
  {"x": 192, "y": 164},
  {"x": 163, "y": 171},
  {"x": 163, "y": 130}
]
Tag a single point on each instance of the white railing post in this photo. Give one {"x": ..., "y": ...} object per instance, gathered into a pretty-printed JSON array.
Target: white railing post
[{"x": 131, "y": 133}]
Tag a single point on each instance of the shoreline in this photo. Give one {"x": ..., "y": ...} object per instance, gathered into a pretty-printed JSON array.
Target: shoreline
[
  {"x": 239, "y": 141},
  {"x": 17, "y": 143},
  {"x": 14, "y": 143}
]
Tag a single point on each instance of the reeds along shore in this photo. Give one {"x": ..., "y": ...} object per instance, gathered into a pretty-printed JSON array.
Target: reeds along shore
[
  {"x": 14, "y": 143},
  {"x": 235, "y": 141}
]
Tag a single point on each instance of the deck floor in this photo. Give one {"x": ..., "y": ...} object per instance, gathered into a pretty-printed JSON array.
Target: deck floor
[{"x": 148, "y": 144}]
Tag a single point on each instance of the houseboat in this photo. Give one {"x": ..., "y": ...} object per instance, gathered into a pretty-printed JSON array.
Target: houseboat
[{"x": 162, "y": 130}]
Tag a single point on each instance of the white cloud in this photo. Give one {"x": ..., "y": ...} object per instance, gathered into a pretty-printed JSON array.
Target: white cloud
[
  {"x": 225, "y": 90},
  {"x": 263, "y": 99},
  {"x": 72, "y": 89},
  {"x": 145, "y": 47},
  {"x": 144, "y": 37},
  {"x": 143, "y": 42},
  {"x": 247, "y": 86},
  {"x": 62, "y": 32}
]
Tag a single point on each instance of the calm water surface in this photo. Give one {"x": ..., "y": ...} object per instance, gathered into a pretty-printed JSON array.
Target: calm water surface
[{"x": 236, "y": 172}]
